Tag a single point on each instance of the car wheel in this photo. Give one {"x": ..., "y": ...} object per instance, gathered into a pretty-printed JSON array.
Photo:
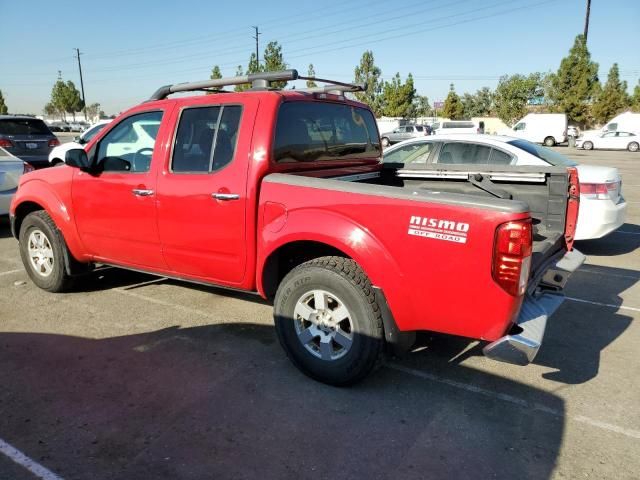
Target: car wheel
[
  {"x": 328, "y": 321},
  {"x": 42, "y": 252},
  {"x": 587, "y": 145},
  {"x": 633, "y": 147},
  {"x": 549, "y": 141},
  {"x": 384, "y": 141}
]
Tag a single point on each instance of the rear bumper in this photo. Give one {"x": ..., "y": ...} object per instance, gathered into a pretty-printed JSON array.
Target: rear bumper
[
  {"x": 520, "y": 346},
  {"x": 598, "y": 218}
]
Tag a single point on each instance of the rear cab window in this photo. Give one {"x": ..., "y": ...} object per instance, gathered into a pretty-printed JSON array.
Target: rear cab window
[{"x": 311, "y": 131}]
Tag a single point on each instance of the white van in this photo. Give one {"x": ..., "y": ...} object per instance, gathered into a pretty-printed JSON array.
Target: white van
[
  {"x": 625, "y": 122},
  {"x": 454, "y": 126},
  {"x": 546, "y": 128}
]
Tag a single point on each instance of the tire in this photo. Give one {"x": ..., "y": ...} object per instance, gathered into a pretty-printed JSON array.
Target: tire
[
  {"x": 335, "y": 348},
  {"x": 385, "y": 142},
  {"x": 549, "y": 142},
  {"x": 42, "y": 250},
  {"x": 587, "y": 145},
  {"x": 633, "y": 147}
]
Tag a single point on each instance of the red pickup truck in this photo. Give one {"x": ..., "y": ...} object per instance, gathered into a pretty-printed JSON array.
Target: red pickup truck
[{"x": 283, "y": 193}]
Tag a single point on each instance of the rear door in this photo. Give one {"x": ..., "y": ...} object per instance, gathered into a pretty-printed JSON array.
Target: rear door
[{"x": 202, "y": 192}]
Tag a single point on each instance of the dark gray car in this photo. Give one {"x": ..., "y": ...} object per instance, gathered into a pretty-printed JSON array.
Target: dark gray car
[{"x": 27, "y": 138}]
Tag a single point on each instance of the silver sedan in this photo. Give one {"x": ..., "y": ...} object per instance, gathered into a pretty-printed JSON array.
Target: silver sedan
[{"x": 10, "y": 170}]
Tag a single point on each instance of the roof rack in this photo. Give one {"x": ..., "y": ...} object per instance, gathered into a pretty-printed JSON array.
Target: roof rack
[{"x": 258, "y": 81}]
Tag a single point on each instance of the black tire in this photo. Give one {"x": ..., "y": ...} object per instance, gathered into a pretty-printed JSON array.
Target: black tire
[
  {"x": 344, "y": 279},
  {"x": 57, "y": 279},
  {"x": 633, "y": 147},
  {"x": 549, "y": 142},
  {"x": 385, "y": 142},
  {"x": 587, "y": 145}
]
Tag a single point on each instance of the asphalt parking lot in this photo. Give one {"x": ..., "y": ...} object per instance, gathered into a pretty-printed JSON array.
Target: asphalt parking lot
[{"x": 135, "y": 377}]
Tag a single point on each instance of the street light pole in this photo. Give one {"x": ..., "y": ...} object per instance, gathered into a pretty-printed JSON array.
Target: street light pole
[{"x": 84, "y": 103}]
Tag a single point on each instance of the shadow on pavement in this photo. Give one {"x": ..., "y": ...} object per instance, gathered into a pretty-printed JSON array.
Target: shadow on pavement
[
  {"x": 625, "y": 240},
  {"x": 5, "y": 226},
  {"x": 223, "y": 402}
]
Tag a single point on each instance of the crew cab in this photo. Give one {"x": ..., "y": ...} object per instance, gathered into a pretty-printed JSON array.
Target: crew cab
[{"x": 283, "y": 193}]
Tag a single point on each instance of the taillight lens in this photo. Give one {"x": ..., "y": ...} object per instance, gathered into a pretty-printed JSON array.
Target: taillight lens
[
  {"x": 54, "y": 142},
  {"x": 27, "y": 168},
  {"x": 512, "y": 256},
  {"x": 5, "y": 143},
  {"x": 600, "y": 191}
]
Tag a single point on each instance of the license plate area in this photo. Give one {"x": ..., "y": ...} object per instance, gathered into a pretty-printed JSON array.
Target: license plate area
[{"x": 31, "y": 145}]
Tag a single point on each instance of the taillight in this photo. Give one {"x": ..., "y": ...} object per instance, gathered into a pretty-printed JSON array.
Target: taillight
[
  {"x": 600, "y": 191},
  {"x": 54, "y": 142},
  {"x": 573, "y": 207},
  {"x": 5, "y": 143},
  {"x": 512, "y": 256},
  {"x": 27, "y": 167}
]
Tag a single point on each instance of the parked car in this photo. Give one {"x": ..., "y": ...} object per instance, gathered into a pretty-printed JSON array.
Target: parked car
[
  {"x": 77, "y": 126},
  {"x": 548, "y": 129},
  {"x": 59, "y": 127},
  {"x": 11, "y": 168},
  {"x": 282, "y": 193},
  {"x": 57, "y": 154},
  {"x": 454, "y": 126},
  {"x": 27, "y": 138},
  {"x": 602, "y": 206},
  {"x": 403, "y": 133},
  {"x": 614, "y": 140}
]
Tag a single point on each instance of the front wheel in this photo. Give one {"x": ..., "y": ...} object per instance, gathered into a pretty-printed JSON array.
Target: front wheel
[
  {"x": 384, "y": 141},
  {"x": 633, "y": 147},
  {"x": 549, "y": 141},
  {"x": 587, "y": 145},
  {"x": 328, "y": 320},
  {"x": 42, "y": 252}
]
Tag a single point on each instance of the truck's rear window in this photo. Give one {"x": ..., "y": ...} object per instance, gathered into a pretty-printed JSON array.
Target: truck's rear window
[{"x": 316, "y": 131}]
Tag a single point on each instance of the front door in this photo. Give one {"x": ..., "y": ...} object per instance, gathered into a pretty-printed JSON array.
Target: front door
[
  {"x": 202, "y": 192},
  {"x": 115, "y": 206}
]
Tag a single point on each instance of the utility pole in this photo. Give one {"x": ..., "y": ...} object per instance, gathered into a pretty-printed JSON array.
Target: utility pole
[
  {"x": 586, "y": 21},
  {"x": 84, "y": 103},
  {"x": 257, "y": 45}
]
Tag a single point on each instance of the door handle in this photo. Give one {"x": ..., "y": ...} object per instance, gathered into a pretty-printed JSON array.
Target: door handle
[
  {"x": 225, "y": 196},
  {"x": 141, "y": 192}
]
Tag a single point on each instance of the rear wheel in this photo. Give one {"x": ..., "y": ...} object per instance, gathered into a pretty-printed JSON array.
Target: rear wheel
[
  {"x": 549, "y": 141},
  {"x": 587, "y": 145},
  {"x": 328, "y": 321},
  {"x": 633, "y": 147},
  {"x": 384, "y": 141},
  {"x": 42, "y": 251}
]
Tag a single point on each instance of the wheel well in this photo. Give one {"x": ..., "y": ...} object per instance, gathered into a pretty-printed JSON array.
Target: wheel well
[
  {"x": 22, "y": 211},
  {"x": 289, "y": 256}
]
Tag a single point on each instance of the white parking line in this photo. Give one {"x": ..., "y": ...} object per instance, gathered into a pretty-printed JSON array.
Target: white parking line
[
  {"x": 611, "y": 305},
  {"x": 9, "y": 272},
  {"x": 21, "y": 459},
  {"x": 521, "y": 402}
]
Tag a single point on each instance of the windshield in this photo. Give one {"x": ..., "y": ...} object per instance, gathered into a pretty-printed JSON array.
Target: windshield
[
  {"x": 24, "y": 126},
  {"x": 551, "y": 157},
  {"x": 315, "y": 131}
]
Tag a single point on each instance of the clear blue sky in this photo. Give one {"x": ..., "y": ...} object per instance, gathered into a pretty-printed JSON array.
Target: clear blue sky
[{"x": 132, "y": 47}]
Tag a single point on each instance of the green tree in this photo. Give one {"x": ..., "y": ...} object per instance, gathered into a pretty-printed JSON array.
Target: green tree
[
  {"x": 93, "y": 111},
  {"x": 3, "y": 106},
  {"x": 512, "y": 95},
  {"x": 421, "y": 106},
  {"x": 635, "y": 99},
  {"x": 613, "y": 99},
  {"x": 274, "y": 61},
  {"x": 311, "y": 72},
  {"x": 239, "y": 73},
  {"x": 215, "y": 75},
  {"x": 453, "y": 107},
  {"x": 368, "y": 73},
  {"x": 50, "y": 110},
  {"x": 74, "y": 103},
  {"x": 398, "y": 97},
  {"x": 484, "y": 102},
  {"x": 572, "y": 87}
]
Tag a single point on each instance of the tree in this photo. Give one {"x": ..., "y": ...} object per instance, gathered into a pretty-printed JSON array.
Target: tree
[
  {"x": 215, "y": 74},
  {"x": 368, "y": 73},
  {"x": 93, "y": 111},
  {"x": 273, "y": 61},
  {"x": 572, "y": 87},
  {"x": 58, "y": 98},
  {"x": 311, "y": 72},
  {"x": 65, "y": 97},
  {"x": 239, "y": 73},
  {"x": 50, "y": 110},
  {"x": 398, "y": 97},
  {"x": 512, "y": 95},
  {"x": 453, "y": 107},
  {"x": 421, "y": 106},
  {"x": 3, "y": 106},
  {"x": 613, "y": 99},
  {"x": 635, "y": 99}
]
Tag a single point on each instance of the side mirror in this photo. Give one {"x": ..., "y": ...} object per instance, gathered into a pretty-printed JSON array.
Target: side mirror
[{"x": 77, "y": 158}]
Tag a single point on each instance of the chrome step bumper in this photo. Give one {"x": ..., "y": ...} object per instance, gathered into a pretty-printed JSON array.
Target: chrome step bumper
[{"x": 521, "y": 346}]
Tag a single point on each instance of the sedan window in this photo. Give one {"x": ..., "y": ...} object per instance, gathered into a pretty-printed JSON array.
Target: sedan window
[
  {"x": 464, "y": 153},
  {"x": 414, "y": 154}
]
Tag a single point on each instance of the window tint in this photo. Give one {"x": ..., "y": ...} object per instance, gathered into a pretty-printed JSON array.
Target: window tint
[
  {"x": 409, "y": 129},
  {"x": 414, "y": 153},
  {"x": 24, "y": 126},
  {"x": 520, "y": 126},
  {"x": 92, "y": 132},
  {"x": 128, "y": 147},
  {"x": 609, "y": 134},
  {"x": 204, "y": 130},
  {"x": 419, "y": 128},
  {"x": 314, "y": 131},
  {"x": 550, "y": 156},
  {"x": 498, "y": 157},
  {"x": 464, "y": 153}
]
